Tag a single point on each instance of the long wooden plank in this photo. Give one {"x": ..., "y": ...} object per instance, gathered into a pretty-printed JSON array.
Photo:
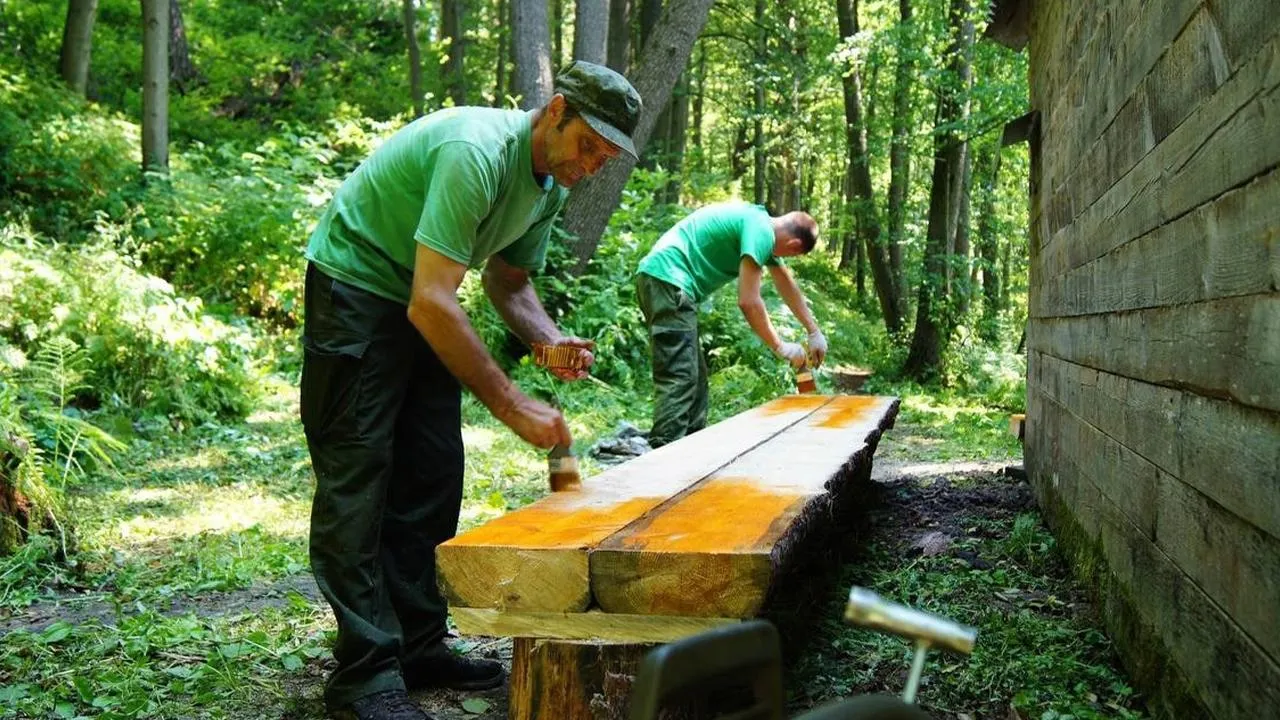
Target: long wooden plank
[
  {"x": 1229, "y": 671},
  {"x": 713, "y": 551},
  {"x": 535, "y": 559},
  {"x": 590, "y": 625},
  {"x": 1227, "y": 247},
  {"x": 1223, "y": 143},
  {"x": 1228, "y": 452},
  {"x": 1227, "y": 348},
  {"x": 1233, "y": 561}
]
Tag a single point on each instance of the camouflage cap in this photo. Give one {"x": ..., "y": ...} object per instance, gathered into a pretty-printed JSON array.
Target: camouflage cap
[{"x": 604, "y": 99}]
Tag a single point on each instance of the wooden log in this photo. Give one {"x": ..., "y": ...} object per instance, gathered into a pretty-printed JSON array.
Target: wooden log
[
  {"x": 1232, "y": 561},
  {"x": 716, "y": 550},
  {"x": 1226, "y": 451},
  {"x": 535, "y": 559},
  {"x": 1221, "y": 144},
  {"x": 850, "y": 379},
  {"x": 1228, "y": 247},
  {"x": 571, "y": 680},
  {"x": 1228, "y": 348},
  {"x": 1228, "y": 670},
  {"x": 591, "y": 625}
]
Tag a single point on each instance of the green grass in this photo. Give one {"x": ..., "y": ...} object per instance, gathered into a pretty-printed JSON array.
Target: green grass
[{"x": 1039, "y": 654}]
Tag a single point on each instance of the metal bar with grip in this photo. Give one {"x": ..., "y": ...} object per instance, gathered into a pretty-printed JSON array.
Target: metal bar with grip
[{"x": 869, "y": 610}]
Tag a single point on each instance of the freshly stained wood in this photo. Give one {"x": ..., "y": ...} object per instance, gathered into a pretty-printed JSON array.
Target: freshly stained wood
[
  {"x": 535, "y": 559},
  {"x": 590, "y": 625},
  {"x": 714, "y": 550}
]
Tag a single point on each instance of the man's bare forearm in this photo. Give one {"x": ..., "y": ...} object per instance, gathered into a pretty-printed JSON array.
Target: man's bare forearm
[
  {"x": 522, "y": 311},
  {"x": 445, "y": 326},
  {"x": 794, "y": 298},
  {"x": 757, "y": 316}
]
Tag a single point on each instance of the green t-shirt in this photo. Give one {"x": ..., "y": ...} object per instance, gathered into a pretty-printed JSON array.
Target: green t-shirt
[
  {"x": 459, "y": 181},
  {"x": 703, "y": 251}
]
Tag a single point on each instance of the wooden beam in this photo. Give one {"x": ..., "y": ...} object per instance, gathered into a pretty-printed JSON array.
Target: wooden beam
[
  {"x": 535, "y": 559},
  {"x": 1228, "y": 348},
  {"x": 591, "y": 625},
  {"x": 1224, "y": 248},
  {"x": 716, "y": 549}
]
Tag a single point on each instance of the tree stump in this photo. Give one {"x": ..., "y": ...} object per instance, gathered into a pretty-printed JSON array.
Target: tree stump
[{"x": 572, "y": 680}]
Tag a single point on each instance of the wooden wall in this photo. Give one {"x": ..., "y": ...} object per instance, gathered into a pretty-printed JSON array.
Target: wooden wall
[{"x": 1153, "y": 429}]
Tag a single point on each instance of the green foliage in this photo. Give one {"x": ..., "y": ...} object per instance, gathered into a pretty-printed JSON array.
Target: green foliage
[
  {"x": 62, "y": 164},
  {"x": 149, "y": 348}
]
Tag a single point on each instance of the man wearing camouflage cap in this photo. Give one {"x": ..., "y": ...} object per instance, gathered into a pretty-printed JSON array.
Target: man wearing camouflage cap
[{"x": 387, "y": 348}]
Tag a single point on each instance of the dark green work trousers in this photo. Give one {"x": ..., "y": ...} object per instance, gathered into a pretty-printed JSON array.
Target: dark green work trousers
[
  {"x": 383, "y": 422},
  {"x": 679, "y": 368}
]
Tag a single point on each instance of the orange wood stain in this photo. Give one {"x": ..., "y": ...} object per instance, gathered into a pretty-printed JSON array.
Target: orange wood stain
[
  {"x": 728, "y": 514},
  {"x": 847, "y": 410},
  {"x": 554, "y": 525},
  {"x": 791, "y": 403}
]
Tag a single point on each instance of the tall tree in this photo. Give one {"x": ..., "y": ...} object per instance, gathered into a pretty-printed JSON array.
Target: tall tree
[
  {"x": 557, "y": 34},
  {"x": 988, "y": 172},
  {"x": 620, "y": 35},
  {"x": 861, "y": 194},
  {"x": 757, "y": 104},
  {"x": 532, "y": 46},
  {"x": 500, "y": 83},
  {"x": 928, "y": 341},
  {"x": 155, "y": 86},
  {"x": 77, "y": 43},
  {"x": 657, "y": 70},
  {"x": 415, "y": 57},
  {"x": 452, "y": 26},
  {"x": 591, "y": 30},
  {"x": 899, "y": 156},
  {"x": 181, "y": 69}
]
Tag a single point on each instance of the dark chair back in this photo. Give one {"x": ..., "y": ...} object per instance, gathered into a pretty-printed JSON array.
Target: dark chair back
[{"x": 747, "y": 655}]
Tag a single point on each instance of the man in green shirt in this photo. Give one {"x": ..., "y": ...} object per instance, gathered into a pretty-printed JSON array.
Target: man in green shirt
[
  {"x": 693, "y": 259},
  {"x": 387, "y": 348}
]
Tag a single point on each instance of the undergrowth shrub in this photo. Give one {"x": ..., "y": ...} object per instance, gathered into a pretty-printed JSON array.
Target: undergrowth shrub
[{"x": 149, "y": 349}]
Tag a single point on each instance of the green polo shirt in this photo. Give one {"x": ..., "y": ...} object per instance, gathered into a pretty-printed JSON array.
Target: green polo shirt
[
  {"x": 703, "y": 251},
  {"x": 459, "y": 181}
]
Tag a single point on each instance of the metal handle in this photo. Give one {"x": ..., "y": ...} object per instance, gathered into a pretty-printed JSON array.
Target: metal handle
[{"x": 869, "y": 610}]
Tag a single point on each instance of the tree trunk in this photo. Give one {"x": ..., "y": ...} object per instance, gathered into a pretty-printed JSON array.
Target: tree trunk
[
  {"x": 655, "y": 152},
  {"x": 415, "y": 56},
  {"x": 557, "y": 34},
  {"x": 899, "y": 154},
  {"x": 961, "y": 262},
  {"x": 699, "y": 94},
  {"x": 453, "y": 26},
  {"x": 620, "y": 35},
  {"x": 591, "y": 31},
  {"x": 679, "y": 111},
  {"x": 532, "y": 46},
  {"x": 988, "y": 171},
  {"x": 77, "y": 43},
  {"x": 757, "y": 105},
  {"x": 861, "y": 196},
  {"x": 500, "y": 83},
  {"x": 665, "y": 56},
  {"x": 181, "y": 69},
  {"x": 924, "y": 359},
  {"x": 155, "y": 86}
]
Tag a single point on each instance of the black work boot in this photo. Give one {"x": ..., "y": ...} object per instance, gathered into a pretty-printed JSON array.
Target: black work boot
[
  {"x": 440, "y": 667},
  {"x": 385, "y": 705}
]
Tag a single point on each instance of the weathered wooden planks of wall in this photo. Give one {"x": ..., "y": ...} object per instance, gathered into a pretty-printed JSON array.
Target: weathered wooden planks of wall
[{"x": 1153, "y": 424}]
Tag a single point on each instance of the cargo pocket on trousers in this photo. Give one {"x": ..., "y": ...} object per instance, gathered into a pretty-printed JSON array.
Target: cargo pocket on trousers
[{"x": 331, "y": 385}]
